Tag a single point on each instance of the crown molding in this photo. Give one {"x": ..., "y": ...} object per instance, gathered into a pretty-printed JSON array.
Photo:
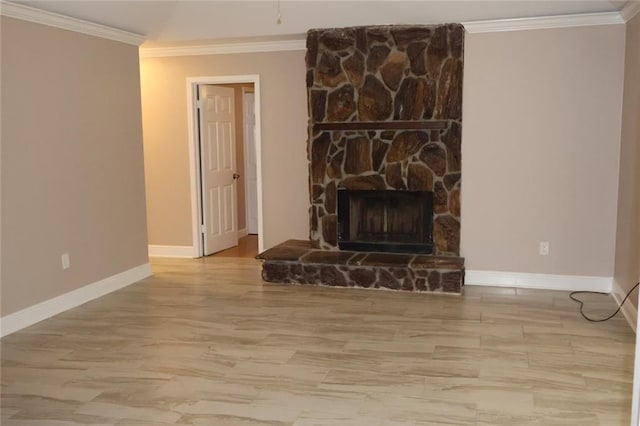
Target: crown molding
[
  {"x": 631, "y": 9},
  {"x": 25, "y": 13},
  {"x": 221, "y": 49},
  {"x": 544, "y": 22}
]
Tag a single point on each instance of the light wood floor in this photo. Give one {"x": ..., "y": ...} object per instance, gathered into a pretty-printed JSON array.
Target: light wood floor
[
  {"x": 247, "y": 247},
  {"x": 205, "y": 342}
]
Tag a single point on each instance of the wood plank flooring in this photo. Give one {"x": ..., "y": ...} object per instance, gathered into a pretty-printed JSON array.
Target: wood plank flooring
[
  {"x": 247, "y": 247},
  {"x": 205, "y": 342}
]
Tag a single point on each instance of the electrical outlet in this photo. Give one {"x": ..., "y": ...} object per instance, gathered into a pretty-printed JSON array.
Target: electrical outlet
[
  {"x": 66, "y": 262},
  {"x": 544, "y": 248}
]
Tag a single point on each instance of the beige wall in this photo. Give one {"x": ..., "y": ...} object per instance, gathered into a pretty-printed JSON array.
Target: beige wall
[
  {"x": 72, "y": 164},
  {"x": 540, "y": 149},
  {"x": 627, "y": 262},
  {"x": 284, "y": 120}
]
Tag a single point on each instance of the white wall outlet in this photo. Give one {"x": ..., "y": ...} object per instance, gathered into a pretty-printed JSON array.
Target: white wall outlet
[
  {"x": 544, "y": 248},
  {"x": 66, "y": 262}
]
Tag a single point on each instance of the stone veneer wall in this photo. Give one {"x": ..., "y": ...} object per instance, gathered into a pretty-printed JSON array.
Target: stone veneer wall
[{"x": 385, "y": 112}]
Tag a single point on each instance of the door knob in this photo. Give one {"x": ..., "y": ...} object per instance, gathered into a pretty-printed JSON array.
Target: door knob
[{"x": 236, "y": 176}]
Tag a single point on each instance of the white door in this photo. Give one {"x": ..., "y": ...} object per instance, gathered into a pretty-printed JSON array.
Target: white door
[
  {"x": 250, "y": 167},
  {"x": 218, "y": 168}
]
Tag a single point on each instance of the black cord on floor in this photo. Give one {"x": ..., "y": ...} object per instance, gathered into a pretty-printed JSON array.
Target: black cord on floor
[{"x": 597, "y": 292}]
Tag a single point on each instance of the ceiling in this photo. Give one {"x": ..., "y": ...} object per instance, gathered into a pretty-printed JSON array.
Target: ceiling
[{"x": 172, "y": 22}]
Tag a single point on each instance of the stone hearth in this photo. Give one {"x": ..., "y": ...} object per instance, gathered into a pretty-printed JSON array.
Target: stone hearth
[{"x": 296, "y": 261}]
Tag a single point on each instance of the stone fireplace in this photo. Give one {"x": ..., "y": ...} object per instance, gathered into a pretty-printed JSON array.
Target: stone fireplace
[
  {"x": 385, "y": 126},
  {"x": 385, "y": 111}
]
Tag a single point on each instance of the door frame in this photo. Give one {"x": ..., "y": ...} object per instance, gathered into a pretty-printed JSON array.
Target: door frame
[
  {"x": 245, "y": 91},
  {"x": 194, "y": 151}
]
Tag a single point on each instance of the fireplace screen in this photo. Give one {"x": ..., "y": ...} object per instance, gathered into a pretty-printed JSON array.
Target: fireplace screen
[{"x": 389, "y": 221}]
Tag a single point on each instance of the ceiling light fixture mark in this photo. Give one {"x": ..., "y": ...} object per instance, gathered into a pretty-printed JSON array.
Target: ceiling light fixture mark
[{"x": 279, "y": 20}]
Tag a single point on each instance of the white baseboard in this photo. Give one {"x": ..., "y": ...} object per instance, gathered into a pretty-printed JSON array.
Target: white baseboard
[
  {"x": 628, "y": 310},
  {"x": 242, "y": 232},
  {"x": 171, "y": 251},
  {"x": 41, "y": 311},
  {"x": 538, "y": 281}
]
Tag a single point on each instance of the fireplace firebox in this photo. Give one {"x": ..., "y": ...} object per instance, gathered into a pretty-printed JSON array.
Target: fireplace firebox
[{"x": 385, "y": 221}]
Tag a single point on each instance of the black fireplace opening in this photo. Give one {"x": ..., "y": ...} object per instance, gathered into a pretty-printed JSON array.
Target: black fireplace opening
[{"x": 385, "y": 220}]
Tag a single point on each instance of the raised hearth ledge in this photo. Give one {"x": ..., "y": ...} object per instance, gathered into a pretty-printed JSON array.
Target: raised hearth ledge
[{"x": 296, "y": 261}]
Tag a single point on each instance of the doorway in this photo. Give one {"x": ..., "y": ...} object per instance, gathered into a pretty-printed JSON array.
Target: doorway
[{"x": 214, "y": 206}]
